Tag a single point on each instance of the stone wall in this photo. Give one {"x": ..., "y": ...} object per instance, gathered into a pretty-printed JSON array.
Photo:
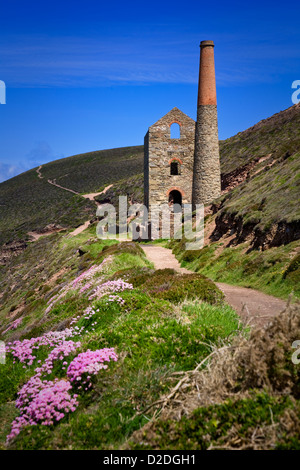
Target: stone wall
[{"x": 160, "y": 150}]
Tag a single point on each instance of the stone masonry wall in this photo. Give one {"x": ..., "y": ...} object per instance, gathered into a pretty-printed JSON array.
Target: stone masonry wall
[{"x": 160, "y": 149}]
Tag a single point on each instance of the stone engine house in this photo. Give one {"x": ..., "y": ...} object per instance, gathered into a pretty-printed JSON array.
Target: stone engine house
[
  {"x": 169, "y": 159},
  {"x": 184, "y": 166}
]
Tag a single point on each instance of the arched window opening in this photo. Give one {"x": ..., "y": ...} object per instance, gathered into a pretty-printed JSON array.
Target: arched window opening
[
  {"x": 175, "y": 197},
  {"x": 175, "y": 131},
  {"x": 175, "y": 168}
]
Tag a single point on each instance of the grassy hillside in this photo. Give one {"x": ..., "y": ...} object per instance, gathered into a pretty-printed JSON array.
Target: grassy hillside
[
  {"x": 28, "y": 203},
  {"x": 269, "y": 195},
  {"x": 154, "y": 330},
  {"x": 69, "y": 303},
  {"x": 182, "y": 372},
  {"x": 278, "y": 135},
  {"x": 90, "y": 171}
]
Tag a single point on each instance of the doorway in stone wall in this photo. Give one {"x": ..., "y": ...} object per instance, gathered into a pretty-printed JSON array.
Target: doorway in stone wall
[{"x": 175, "y": 197}]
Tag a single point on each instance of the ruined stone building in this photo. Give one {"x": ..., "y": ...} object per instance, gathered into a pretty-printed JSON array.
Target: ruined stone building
[{"x": 181, "y": 159}]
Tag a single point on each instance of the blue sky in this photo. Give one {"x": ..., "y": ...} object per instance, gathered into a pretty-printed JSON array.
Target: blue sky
[{"x": 84, "y": 76}]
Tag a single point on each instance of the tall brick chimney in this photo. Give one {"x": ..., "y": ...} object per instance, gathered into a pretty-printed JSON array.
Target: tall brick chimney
[{"x": 206, "y": 175}]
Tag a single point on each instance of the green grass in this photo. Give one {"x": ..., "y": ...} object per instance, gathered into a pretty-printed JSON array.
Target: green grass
[
  {"x": 167, "y": 324},
  {"x": 152, "y": 336},
  {"x": 268, "y": 271},
  {"x": 152, "y": 341}
]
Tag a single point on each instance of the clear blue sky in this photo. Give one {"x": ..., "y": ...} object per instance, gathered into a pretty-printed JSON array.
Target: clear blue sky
[{"x": 84, "y": 76}]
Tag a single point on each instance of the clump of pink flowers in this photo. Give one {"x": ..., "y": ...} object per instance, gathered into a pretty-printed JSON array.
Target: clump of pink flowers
[
  {"x": 42, "y": 402},
  {"x": 91, "y": 272},
  {"x": 116, "y": 298},
  {"x": 23, "y": 350},
  {"x": 46, "y": 402},
  {"x": 58, "y": 353},
  {"x": 14, "y": 325},
  {"x": 87, "y": 364},
  {"x": 110, "y": 287},
  {"x": 82, "y": 282}
]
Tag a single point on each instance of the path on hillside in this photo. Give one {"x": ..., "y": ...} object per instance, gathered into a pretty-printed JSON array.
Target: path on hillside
[
  {"x": 253, "y": 306},
  {"x": 84, "y": 226},
  {"x": 53, "y": 182},
  {"x": 90, "y": 196}
]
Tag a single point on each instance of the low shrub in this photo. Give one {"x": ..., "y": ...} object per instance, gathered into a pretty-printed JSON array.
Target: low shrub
[{"x": 168, "y": 285}]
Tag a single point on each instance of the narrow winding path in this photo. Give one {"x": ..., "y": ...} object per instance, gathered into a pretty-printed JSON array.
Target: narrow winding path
[
  {"x": 84, "y": 226},
  {"x": 90, "y": 196},
  {"x": 253, "y": 306}
]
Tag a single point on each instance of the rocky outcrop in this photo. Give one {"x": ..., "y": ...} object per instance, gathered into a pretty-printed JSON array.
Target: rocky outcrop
[
  {"x": 8, "y": 250},
  {"x": 228, "y": 224}
]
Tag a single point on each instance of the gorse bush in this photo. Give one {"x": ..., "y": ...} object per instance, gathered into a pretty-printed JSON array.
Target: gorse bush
[
  {"x": 169, "y": 285},
  {"x": 292, "y": 272},
  {"x": 229, "y": 425}
]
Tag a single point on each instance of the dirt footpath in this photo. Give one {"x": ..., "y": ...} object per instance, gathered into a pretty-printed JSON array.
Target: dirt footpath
[{"x": 253, "y": 306}]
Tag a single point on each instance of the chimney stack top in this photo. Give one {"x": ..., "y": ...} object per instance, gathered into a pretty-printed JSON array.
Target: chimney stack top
[{"x": 206, "y": 43}]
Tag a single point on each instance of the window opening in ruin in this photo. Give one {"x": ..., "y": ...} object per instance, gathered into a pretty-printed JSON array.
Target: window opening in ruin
[{"x": 175, "y": 131}]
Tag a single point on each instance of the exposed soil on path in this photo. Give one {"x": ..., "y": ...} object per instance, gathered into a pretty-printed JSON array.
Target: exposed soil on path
[
  {"x": 53, "y": 182},
  {"x": 84, "y": 226},
  {"x": 254, "y": 307},
  {"x": 163, "y": 258},
  {"x": 91, "y": 196},
  {"x": 39, "y": 172}
]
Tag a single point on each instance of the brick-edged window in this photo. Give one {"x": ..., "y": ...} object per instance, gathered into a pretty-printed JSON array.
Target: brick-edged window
[{"x": 174, "y": 167}]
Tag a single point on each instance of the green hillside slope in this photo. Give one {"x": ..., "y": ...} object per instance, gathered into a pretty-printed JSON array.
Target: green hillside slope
[
  {"x": 29, "y": 203},
  {"x": 278, "y": 135},
  {"x": 67, "y": 308}
]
